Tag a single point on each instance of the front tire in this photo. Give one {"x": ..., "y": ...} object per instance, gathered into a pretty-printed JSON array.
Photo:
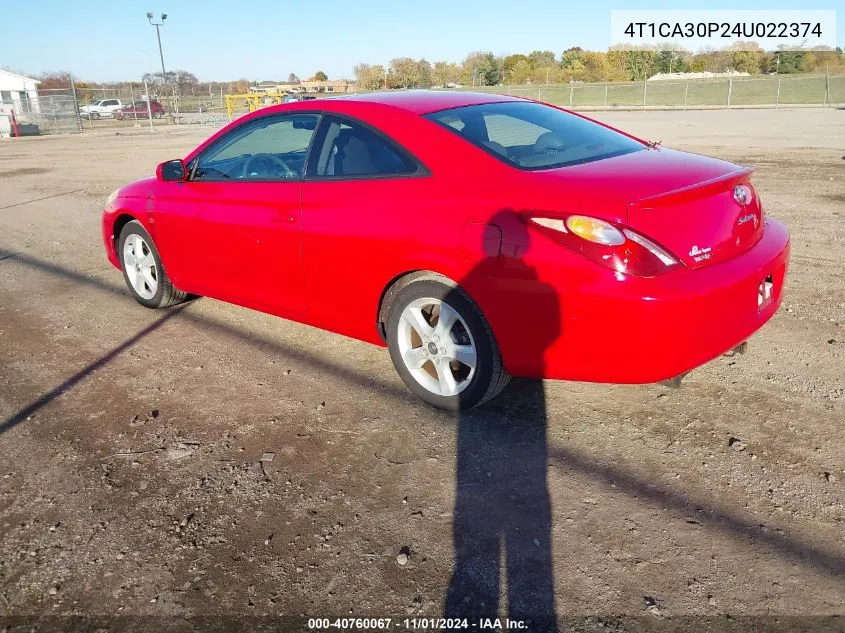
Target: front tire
[
  {"x": 142, "y": 269},
  {"x": 442, "y": 346},
  {"x": 95, "y": 115}
]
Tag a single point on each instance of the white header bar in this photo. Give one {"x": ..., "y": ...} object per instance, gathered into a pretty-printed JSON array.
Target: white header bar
[{"x": 697, "y": 30}]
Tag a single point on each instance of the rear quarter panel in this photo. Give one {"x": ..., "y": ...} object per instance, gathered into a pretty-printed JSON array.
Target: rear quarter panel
[{"x": 360, "y": 235}]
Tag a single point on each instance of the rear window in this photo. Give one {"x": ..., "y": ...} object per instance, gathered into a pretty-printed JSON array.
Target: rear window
[{"x": 534, "y": 136}]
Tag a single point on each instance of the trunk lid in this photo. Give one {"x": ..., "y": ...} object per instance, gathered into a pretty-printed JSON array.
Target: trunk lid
[
  {"x": 684, "y": 202},
  {"x": 702, "y": 223}
]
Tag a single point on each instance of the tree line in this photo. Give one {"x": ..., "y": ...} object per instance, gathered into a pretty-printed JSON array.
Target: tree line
[{"x": 483, "y": 68}]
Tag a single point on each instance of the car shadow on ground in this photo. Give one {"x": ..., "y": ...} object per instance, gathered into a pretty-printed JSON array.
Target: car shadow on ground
[{"x": 511, "y": 430}]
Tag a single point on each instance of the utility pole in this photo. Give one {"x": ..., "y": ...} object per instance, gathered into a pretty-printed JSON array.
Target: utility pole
[
  {"x": 158, "y": 36},
  {"x": 160, "y": 53}
]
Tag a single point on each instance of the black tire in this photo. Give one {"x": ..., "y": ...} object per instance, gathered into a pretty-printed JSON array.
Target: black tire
[
  {"x": 95, "y": 115},
  {"x": 490, "y": 376},
  {"x": 166, "y": 294},
  {"x": 158, "y": 115}
]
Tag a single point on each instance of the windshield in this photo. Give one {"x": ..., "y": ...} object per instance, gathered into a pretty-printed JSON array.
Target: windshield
[{"x": 533, "y": 136}]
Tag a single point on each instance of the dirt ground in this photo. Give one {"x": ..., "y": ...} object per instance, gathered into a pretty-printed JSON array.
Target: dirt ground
[{"x": 131, "y": 441}]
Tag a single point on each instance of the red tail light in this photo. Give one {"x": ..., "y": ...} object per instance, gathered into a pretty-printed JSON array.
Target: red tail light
[{"x": 617, "y": 248}]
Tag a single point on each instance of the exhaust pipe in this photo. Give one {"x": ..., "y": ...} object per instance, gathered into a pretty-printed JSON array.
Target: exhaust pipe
[
  {"x": 675, "y": 383},
  {"x": 739, "y": 349}
]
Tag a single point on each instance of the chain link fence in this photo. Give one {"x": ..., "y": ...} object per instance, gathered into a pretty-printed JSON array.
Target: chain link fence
[
  {"x": 70, "y": 110},
  {"x": 186, "y": 107},
  {"x": 763, "y": 92},
  {"x": 42, "y": 112}
]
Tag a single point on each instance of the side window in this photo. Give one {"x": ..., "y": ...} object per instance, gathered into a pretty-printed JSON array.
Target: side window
[
  {"x": 267, "y": 148},
  {"x": 351, "y": 149},
  {"x": 110, "y": 102}
]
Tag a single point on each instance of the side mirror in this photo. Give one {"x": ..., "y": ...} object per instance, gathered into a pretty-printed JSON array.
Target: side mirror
[{"x": 171, "y": 170}]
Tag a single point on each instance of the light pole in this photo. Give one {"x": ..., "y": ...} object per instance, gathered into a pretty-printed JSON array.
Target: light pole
[{"x": 158, "y": 35}]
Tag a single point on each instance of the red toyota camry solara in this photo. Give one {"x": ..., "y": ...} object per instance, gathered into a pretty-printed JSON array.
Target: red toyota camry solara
[{"x": 477, "y": 236}]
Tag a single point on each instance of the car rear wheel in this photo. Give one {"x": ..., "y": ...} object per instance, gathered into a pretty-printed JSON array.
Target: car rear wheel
[
  {"x": 158, "y": 115},
  {"x": 142, "y": 269},
  {"x": 442, "y": 346}
]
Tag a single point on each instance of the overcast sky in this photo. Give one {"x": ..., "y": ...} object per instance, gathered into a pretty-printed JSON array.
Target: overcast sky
[{"x": 267, "y": 39}]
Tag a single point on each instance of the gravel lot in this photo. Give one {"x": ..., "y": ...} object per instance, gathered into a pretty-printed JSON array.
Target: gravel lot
[{"x": 214, "y": 461}]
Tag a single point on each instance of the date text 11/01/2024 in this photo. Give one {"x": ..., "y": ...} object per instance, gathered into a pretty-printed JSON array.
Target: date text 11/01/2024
[{"x": 361, "y": 624}]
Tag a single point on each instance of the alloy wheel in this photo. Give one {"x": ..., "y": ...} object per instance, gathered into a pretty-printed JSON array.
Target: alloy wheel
[
  {"x": 437, "y": 347},
  {"x": 140, "y": 266}
]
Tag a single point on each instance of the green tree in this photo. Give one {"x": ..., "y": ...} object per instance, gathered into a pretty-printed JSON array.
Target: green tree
[
  {"x": 520, "y": 72},
  {"x": 542, "y": 59},
  {"x": 480, "y": 68},
  {"x": 670, "y": 61},
  {"x": 406, "y": 72},
  {"x": 639, "y": 63},
  {"x": 544, "y": 64},
  {"x": 320, "y": 76},
  {"x": 445, "y": 73},
  {"x": 370, "y": 77},
  {"x": 423, "y": 74},
  {"x": 511, "y": 61},
  {"x": 570, "y": 59},
  {"x": 746, "y": 61},
  {"x": 787, "y": 62}
]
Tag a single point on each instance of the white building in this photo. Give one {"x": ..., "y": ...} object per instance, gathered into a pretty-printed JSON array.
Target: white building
[{"x": 19, "y": 93}]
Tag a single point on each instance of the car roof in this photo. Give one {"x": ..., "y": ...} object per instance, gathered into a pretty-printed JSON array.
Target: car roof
[{"x": 426, "y": 101}]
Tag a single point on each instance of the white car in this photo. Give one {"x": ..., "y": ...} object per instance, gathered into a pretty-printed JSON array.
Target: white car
[{"x": 100, "y": 108}]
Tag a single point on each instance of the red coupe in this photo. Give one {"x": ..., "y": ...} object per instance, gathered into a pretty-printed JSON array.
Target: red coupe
[
  {"x": 477, "y": 236},
  {"x": 140, "y": 110}
]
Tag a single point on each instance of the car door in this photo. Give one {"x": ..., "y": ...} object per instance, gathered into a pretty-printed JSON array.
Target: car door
[
  {"x": 363, "y": 204},
  {"x": 231, "y": 231}
]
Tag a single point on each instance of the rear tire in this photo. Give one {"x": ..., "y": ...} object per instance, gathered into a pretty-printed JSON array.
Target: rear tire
[
  {"x": 142, "y": 269},
  {"x": 453, "y": 364}
]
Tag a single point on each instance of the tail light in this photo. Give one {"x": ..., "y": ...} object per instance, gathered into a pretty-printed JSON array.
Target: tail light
[{"x": 617, "y": 248}]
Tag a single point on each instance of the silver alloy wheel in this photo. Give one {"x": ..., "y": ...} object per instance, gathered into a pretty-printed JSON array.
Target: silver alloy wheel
[
  {"x": 140, "y": 266},
  {"x": 437, "y": 347}
]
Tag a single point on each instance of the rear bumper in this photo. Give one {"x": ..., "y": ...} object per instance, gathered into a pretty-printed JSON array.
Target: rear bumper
[{"x": 649, "y": 330}]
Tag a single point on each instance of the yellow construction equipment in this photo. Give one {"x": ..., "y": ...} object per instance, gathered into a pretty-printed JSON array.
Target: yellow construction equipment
[{"x": 253, "y": 101}]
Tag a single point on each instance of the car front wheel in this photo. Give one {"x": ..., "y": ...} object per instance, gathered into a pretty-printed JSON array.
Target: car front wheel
[
  {"x": 442, "y": 346},
  {"x": 142, "y": 269},
  {"x": 95, "y": 115}
]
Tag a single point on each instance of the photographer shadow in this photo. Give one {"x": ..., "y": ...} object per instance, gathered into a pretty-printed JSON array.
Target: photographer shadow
[{"x": 502, "y": 514}]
